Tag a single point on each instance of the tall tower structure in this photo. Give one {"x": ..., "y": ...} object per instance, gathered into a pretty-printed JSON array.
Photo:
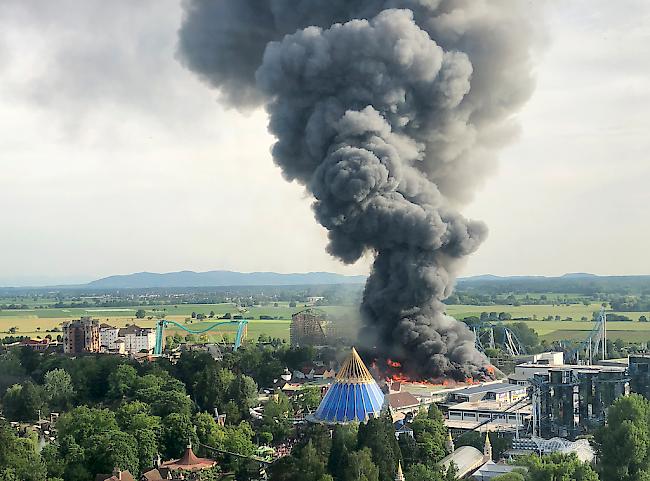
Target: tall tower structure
[
  {"x": 449, "y": 444},
  {"x": 399, "y": 476},
  {"x": 487, "y": 448}
]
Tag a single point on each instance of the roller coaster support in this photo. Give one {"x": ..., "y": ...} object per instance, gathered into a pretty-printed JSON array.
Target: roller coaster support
[{"x": 242, "y": 328}]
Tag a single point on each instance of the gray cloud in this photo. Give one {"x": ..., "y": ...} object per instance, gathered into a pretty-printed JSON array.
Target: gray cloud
[
  {"x": 81, "y": 59},
  {"x": 389, "y": 116}
]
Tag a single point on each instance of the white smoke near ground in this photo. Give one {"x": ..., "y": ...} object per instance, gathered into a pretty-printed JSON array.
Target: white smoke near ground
[{"x": 390, "y": 113}]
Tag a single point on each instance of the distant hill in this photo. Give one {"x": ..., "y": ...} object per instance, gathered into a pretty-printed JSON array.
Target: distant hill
[
  {"x": 143, "y": 280},
  {"x": 576, "y": 283}
]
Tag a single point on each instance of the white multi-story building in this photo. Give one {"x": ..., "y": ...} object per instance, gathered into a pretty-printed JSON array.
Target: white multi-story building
[
  {"x": 137, "y": 339},
  {"x": 108, "y": 335}
]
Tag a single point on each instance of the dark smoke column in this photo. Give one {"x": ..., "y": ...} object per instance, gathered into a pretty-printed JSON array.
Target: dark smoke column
[{"x": 386, "y": 121}]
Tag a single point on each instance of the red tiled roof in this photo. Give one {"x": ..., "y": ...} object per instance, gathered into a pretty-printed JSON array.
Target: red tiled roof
[
  {"x": 189, "y": 462},
  {"x": 35, "y": 341}
]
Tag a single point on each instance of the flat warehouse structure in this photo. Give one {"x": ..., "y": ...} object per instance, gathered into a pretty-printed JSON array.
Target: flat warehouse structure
[
  {"x": 494, "y": 407},
  {"x": 501, "y": 393},
  {"x": 487, "y": 416}
]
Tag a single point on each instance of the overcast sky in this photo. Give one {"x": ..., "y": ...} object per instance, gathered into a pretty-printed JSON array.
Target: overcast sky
[{"x": 115, "y": 159}]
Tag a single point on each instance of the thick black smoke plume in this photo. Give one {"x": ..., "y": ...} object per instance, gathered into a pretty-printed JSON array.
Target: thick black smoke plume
[{"x": 389, "y": 112}]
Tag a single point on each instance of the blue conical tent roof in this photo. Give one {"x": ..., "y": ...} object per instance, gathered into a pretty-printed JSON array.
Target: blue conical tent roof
[{"x": 355, "y": 396}]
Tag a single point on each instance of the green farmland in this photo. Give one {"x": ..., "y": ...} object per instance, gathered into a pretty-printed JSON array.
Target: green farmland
[
  {"x": 631, "y": 331},
  {"x": 28, "y": 321}
]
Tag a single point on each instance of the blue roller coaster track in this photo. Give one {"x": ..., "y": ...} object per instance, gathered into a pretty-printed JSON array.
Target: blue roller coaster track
[{"x": 242, "y": 326}]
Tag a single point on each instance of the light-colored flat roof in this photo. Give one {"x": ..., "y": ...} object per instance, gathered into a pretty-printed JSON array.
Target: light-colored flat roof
[
  {"x": 572, "y": 367},
  {"x": 493, "y": 406},
  {"x": 500, "y": 387},
  {"x": 426, "y": 389},
  {"x": 492, "y": 426}
]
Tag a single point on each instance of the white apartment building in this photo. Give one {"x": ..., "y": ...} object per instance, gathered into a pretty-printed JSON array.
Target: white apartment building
[
  {"x": 108, "y": 335},
  {"x": 138, "y": 339}
]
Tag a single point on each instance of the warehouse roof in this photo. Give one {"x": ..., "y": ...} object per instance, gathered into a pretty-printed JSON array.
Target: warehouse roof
[{"x": 501, "y": 387}]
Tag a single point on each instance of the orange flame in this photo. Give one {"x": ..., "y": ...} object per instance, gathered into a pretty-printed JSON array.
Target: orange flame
[
  {"x": 392, "y": 363},
  {"x": 394, "y": 374}
]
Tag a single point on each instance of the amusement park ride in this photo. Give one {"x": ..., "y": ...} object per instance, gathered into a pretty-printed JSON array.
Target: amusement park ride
[
  {"x": 485, "y": 338},
  {"x": 242, "y": 331},
  {"x": 592, "y": 348},
  {"x": 595, "y": 345}
]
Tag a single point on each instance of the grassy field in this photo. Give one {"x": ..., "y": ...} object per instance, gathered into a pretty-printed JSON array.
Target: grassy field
[
  {"x": 560, "y": 330},
  {"x": 28, "y": 321},
  {"x": 575, "y": 311}
]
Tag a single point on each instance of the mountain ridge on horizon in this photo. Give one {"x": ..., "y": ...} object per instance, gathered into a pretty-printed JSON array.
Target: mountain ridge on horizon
[
  {"x": 227, "y": 278},
  {"x": 222, "y": 278}
]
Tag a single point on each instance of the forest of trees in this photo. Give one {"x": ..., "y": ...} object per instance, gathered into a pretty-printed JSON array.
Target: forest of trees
[{"x": 118, "y": 413}]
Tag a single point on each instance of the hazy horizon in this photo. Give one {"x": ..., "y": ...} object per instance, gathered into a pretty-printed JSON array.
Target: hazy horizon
[
  {"x": 116, "y": 159},
  {"x": 45, "y": 281}
]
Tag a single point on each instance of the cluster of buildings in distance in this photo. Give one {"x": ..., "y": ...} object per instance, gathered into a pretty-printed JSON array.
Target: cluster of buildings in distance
[{"x": 87, "y": 335}]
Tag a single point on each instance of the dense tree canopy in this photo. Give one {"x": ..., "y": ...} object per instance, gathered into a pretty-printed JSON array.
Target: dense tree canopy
[
  {"x": 625, "y": 440},
  {"x": 19, "y": 458},
  {"x": 430, "y": 436},
  {"x": 557, "y": 466},
  {"x": 59, "y": 391}
]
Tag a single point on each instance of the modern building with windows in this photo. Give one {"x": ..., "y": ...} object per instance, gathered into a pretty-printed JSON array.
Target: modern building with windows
[
  {"x": 81, "y": 336},
  {"x": 496, "y": 407},
  {"x": 108, "y": 335},
  {"x": 137, "y": 339}
]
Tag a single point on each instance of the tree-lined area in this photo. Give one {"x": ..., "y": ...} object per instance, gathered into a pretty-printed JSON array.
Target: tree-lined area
[{"x": 115, "y": 412}]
